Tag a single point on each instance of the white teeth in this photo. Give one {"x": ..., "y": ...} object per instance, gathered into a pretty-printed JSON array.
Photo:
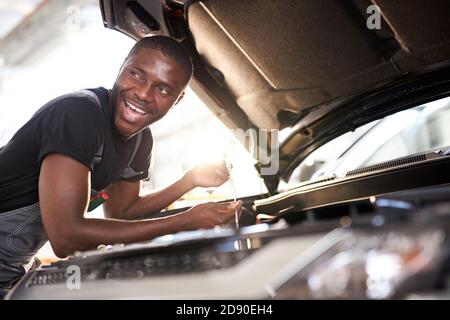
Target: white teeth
[{"x": 134, "y": 108}]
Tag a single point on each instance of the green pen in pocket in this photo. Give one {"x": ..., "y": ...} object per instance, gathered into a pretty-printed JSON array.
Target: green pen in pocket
[{"x": 97, "y": 198}]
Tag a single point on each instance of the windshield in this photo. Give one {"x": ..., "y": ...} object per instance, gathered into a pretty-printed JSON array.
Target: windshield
[{"x": 422, "y": 128}]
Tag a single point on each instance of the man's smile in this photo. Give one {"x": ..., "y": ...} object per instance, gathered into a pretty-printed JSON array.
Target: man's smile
[
  {"x": 133, "y": 112},
  {"x": 134, "y": 107}
]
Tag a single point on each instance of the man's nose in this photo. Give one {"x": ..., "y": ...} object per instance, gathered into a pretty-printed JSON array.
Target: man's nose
[{"x": 145, "y": 93}]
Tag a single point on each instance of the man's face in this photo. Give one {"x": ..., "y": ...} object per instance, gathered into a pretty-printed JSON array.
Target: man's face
[{"x": 148, "y": 85}]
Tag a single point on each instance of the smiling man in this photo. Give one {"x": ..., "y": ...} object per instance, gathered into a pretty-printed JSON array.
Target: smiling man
[{"x": 83, "y": 144}]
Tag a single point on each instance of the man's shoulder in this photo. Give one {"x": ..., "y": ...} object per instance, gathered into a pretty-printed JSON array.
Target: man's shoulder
[
  {"x": 87, "y": 99},
  {"x": 83, "y": 103}
]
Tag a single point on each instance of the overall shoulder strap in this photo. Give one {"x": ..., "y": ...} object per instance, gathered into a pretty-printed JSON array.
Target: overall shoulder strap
[
  {"x": 99, "y": 153},
  {"x": 136, "y": 147},
  {"x": 92, "y": 95},
  {"x": 128, "y": 172}
]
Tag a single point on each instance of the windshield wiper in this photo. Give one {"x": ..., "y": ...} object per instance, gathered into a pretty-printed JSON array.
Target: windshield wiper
[{"x": 415, "y": 158}]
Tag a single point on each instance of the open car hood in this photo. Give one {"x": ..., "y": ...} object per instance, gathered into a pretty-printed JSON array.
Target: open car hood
[{"x": 313, "y": 66}]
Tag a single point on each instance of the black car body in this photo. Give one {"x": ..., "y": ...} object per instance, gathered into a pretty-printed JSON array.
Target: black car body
[{"x": 319, "y": 69}]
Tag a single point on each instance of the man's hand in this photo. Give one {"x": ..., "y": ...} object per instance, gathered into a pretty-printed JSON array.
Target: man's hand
[
  {"x": 126, "y": 203},
  {"x": 208, "y": 175},
  {"x": 208, "y": 215}
]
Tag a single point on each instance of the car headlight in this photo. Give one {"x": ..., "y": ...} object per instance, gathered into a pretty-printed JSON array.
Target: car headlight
[{"x": 370, "y": 264}]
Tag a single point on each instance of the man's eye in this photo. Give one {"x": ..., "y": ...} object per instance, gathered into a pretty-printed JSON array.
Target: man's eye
[
  {"x": 135, "y": 75},
  {"x": 163, "y": 91}
]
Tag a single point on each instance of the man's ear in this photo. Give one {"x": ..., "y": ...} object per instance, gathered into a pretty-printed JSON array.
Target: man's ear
[{"x": 179, "y": 97}]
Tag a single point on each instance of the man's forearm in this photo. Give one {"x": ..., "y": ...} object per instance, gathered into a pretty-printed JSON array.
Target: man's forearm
[
  {"x": 85, "y": 234},
  {"x": 156, "y": 201},
  {"x": 92, "y": 232}
]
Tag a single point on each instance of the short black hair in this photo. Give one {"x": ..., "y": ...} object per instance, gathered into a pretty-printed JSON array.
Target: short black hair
[{"x": 170, "y": 47}]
